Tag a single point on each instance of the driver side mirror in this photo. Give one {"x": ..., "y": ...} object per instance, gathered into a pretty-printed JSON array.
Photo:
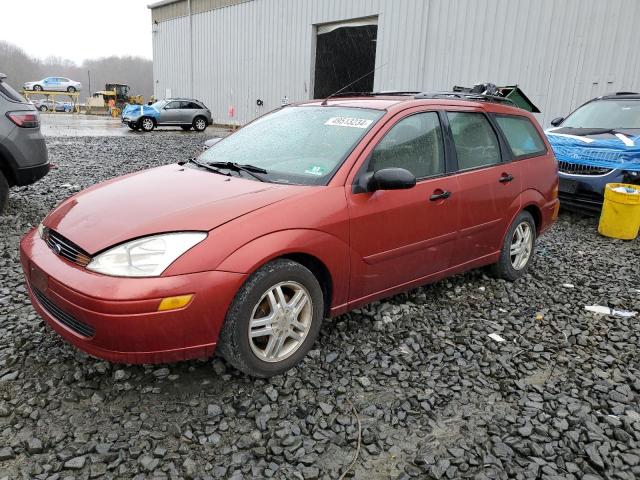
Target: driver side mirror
[
  {"x": 557, "y": 121},
  {"x": 386, "y": 179}
]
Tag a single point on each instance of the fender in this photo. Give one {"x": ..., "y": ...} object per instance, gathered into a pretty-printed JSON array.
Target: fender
[
  {"x": 332, "y": 251},
  {"x": 525, "y": 199}
]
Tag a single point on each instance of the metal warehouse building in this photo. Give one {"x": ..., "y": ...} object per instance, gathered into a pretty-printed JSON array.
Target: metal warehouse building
[{"x": 244, "y": 58}]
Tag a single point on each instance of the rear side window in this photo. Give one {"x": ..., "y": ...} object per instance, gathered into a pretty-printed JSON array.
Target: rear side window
[
  {"x": 475, "y": 141},
  {"x": 415, "y": 144},
  {"x": 523, "y": 138},
  {"x": 10, "y": 93}
]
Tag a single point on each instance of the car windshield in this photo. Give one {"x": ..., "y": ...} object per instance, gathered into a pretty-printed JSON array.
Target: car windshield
[
  {"x": 301, "y": 145},
  {"x": 159, "y": 104},
  {"x": 606, "y": 114}
]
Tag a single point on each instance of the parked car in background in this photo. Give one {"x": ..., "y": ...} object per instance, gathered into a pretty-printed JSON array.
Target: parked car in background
[
  {"x": 54, "y": 84},
  {"x": 177, "y": 112},
  {"x": 598, "y": 143},
  {"x": 49, "y": 106},
  {"x": 305, "y": 213},
  {"x": 23, "y": 152}
]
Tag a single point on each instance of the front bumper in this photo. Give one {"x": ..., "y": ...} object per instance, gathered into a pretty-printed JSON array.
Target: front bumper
[
  {"x": 116, "y": 319},
  {"x": 585, "y": 193}
]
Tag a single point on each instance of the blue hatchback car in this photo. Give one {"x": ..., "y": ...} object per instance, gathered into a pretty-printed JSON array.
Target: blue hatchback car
[{"x": 598, "y": 143}]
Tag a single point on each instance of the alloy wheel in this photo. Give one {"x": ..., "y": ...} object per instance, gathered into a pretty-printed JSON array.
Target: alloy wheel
[
  {"x": 200, "y": 124},
  {"x": 521, "y": 245},
  {"x": 280, "y": 321},
  {"x": 147, "y": 124}
]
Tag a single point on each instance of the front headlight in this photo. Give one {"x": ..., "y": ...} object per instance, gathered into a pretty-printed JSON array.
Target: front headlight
[
  {"x": 145, "y": 257},
  {"x": 41, "y": 230}
]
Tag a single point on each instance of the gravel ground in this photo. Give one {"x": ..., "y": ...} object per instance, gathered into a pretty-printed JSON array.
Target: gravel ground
[{"x": 435, "y": 396}]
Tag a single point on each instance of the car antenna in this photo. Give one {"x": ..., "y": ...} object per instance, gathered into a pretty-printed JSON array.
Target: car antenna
[{"x": 324, "y": 102}]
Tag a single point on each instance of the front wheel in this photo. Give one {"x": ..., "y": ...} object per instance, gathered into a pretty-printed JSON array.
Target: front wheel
[
  {"x": 43, "y": 108},
  {"x": 71, "y": 89},
  {"x": 517, "y": 249},
  {"x": 147, "y": 124},
  {"x": 274, "y": 319},
  {"x": 37, "y": 88},
  {"x": 199, "y": 124}
]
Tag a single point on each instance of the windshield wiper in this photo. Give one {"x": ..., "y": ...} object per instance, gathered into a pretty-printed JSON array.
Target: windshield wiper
[
  {"x": 250, "y": 169},
  {"x": 207, "y": 167}
]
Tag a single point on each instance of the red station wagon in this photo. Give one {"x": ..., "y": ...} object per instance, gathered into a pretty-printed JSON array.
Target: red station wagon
[{"x": 305, "y": 213}]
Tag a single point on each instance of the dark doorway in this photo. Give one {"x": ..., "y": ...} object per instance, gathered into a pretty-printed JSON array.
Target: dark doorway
[{"x": 342, "y": 56}]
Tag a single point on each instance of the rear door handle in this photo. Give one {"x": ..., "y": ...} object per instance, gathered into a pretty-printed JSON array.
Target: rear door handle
[
  {"x": 440, "y": 196},
  {"x": 506, "y": 178}
]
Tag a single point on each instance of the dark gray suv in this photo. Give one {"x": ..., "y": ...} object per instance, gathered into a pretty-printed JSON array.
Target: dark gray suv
[{"x": 23, "y": 152}]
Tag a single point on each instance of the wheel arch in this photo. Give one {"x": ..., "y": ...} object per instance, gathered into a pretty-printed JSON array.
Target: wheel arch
[{"x": 325, "y": 255}]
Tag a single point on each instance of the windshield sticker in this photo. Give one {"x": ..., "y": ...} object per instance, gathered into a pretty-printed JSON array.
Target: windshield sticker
[
  {"x": 349, "y": 122},
  {"x": 315, "y": 170}
]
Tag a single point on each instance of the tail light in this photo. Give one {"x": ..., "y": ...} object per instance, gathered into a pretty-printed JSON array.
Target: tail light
[{"x": 24, "y": 119}]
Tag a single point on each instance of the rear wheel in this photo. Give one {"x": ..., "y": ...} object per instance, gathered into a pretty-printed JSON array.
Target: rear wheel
[
  {"x": 147, "y": 124},
  {"x": 4, "y": 192},
  {"x": 199, "y": 124},
  {"x": 71, "y": 89},
  {"x": 37, "y": 88},
  {"x": 274, "y": 319},
  {"x": 186, "y": 128},
  {"x": 517, "y": 249}
]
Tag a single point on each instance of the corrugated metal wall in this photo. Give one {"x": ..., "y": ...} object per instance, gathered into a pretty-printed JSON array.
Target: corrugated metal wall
[{"x": 561, "y": 53}]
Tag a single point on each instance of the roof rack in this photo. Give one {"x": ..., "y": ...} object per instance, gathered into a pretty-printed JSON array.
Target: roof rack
[
  {"x": 389, "y": 93},
  {"x": 465, "y": 96}
]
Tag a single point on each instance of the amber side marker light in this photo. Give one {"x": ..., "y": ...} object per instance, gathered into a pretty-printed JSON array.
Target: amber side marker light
[{"x": 173, "y": 303}]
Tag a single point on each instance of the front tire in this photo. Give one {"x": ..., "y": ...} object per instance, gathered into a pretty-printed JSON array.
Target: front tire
[
  {"x": 4, "y": 192},
  {"x": 517, "y": 248},
  {"x": 71, "y": 89},
  {"x": 199, "y": 124},
  {"x": 37, "y": 88},
  {"x": 273, "y": 320},
  {"x": 147, "y": 124},
  {"x": 43, "y": 108}
]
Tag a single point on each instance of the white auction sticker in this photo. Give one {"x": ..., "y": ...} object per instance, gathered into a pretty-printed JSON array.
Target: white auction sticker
[{"x": 349, "y": 122}]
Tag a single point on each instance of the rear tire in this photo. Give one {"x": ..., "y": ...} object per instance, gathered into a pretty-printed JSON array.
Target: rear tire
[
  {"x": 186, "y": 128},
  {"x": 517, "y": 248},
  {"x": 199, "y": 124},
  {"x": 4, "y": 192},
  {"x": 283, "y": 301},
  {"x": 147, "y": 124}
]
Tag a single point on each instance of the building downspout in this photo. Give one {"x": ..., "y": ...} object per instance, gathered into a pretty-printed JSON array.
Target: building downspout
[{"x": 190, "y": 51}]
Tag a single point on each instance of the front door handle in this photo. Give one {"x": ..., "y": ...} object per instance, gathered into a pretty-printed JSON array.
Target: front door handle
[
  {"x": 506, "y": 178},
  {"x": 444, "y": 194}
]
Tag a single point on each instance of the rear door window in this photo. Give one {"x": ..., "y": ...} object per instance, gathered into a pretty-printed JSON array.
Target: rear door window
[
  {"x": 415, "y": 144},
  {"x": 8, "y": 91},
  {"x": 475, "y": 140},
  {"x": 521, "y": 135}
]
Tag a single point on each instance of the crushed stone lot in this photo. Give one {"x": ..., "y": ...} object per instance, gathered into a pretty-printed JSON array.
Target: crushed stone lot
[{"x": 435, "y": 396}]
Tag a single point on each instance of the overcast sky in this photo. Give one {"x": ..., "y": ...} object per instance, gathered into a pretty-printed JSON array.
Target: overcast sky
[{"x": 78, "y": 29}]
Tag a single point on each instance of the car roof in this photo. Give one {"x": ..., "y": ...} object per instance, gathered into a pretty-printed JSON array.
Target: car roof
[
  {"x": 620, "y": 96},
  {"x": 404, "y": 100}
]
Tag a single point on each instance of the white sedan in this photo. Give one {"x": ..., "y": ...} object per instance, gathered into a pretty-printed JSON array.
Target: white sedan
[{"x": 54, "y": 84}]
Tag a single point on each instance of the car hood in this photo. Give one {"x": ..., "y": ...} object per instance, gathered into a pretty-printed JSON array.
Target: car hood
[
  {"x": 164, "y": 199},
  {"x": 621, "y": 151}
]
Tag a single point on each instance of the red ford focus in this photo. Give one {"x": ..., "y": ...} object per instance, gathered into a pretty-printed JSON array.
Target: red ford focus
[{"x": 303, "y": 214}]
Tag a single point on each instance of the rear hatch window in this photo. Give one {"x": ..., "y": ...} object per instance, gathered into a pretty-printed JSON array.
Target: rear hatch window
[{"x": 9, "y": 92}]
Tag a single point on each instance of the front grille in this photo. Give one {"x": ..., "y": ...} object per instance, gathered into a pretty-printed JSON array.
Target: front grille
[
  {"x": 63, "y": 317},
  {"x": 66, "y": 248},
  {"x": 578, "y": 169}
]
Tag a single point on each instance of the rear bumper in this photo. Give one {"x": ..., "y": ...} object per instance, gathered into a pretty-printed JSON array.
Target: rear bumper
[
  {"x": 29, "y": 175},
  {"x": 116, "y": 319}
]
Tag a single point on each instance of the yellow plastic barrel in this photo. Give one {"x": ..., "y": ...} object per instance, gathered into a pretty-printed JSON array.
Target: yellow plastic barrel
[{"x": 620, "y": 217}]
